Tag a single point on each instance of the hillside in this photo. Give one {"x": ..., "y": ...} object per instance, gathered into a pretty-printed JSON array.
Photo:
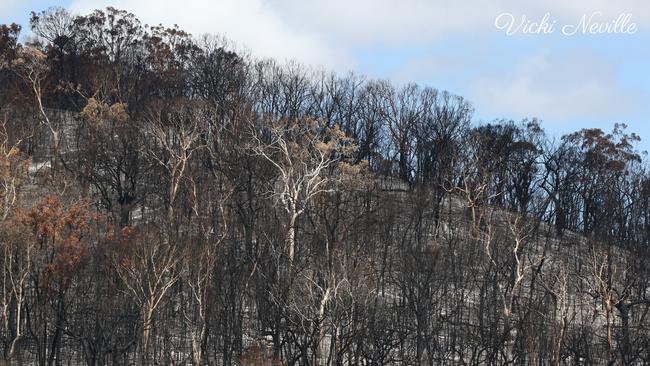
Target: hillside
[{"x": 165, "y": 200}]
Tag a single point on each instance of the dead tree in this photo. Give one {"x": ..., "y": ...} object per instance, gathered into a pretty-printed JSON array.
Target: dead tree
[
  {"x": 301, "y": 151},
  {"x": 148, "y": 269}
]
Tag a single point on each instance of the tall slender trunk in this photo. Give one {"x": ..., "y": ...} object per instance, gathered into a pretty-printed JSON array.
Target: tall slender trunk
[
  {"x": 610, "y": 332},
  {"x": 321, "y": 326},
  {"x": 147, "y": 318},
  {"x": 626, "y": 348},
  {"x": 558, "y": 342},
  {"x": 198, "y": 341},
  {"x": 291, "y": 235},
  {"x": 56, "y": 338}
]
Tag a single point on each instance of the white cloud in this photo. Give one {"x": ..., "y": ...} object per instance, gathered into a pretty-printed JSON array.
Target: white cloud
[
  {"x": 362, "y": 22},
  {"x": 327, "y": 32},
  {"x": 387, "y": 21},
  {"x": 557, "y": 86}
]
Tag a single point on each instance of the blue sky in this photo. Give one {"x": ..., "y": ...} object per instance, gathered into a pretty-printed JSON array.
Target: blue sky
[{"x": 569, "y": 82}]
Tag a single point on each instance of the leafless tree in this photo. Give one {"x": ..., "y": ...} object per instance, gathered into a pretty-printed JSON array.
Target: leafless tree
[
  {"x": 148, "y": 271},
  {"x": 301, "y": 152}
]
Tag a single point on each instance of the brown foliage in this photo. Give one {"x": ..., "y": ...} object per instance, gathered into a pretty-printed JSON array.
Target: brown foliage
[
  {"x": 60, "y": 233},
  {"x": 613, "y": 151}
]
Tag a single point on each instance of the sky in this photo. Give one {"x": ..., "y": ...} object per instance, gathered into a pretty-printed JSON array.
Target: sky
[{"x": 569, "y": 81}]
